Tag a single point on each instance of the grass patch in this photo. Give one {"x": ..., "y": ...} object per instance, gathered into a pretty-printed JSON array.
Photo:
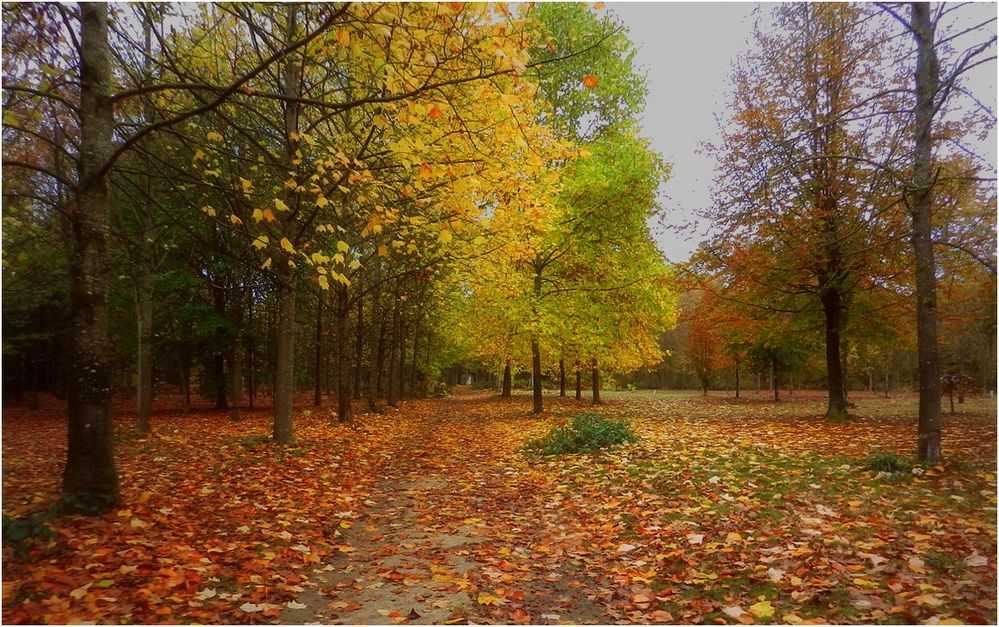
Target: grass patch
[
  {"x": 888, "y": 462},
  {"x": 586, "y": 433}
]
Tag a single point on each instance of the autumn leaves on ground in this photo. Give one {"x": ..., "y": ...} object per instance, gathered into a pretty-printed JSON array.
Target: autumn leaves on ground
[{"x": 723, "y": 511}]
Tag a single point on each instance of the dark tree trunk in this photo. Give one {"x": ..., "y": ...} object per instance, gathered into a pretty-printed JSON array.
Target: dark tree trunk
[
  {"x": 561, "y": 377},
  {"x": 218, "y": 368},
  {"x": 359, "y": 348},
  {"x": 832, "y": 307},
  {"x": 927, "y": 77},
  {"x": 536, "y": 375},
  {"x": 507, "y": 381},
  {"x": 184, "y": 371},
  {"x": 144, "y": 357},
  {"x": 737, "y": 382},
  {"x": 596, "y": 383},
  {"x": 250, "y": 350},
  {"x": 90, "y": 480},
  {"x": 317, "y": 394},
  {"x": 579, "y": 383},
  {"x": 284, "y": 368},
  {"x": 235, "y": 381},
  {"x": 343, "y": 388},
  {"x": 773, "y": 380},
  {"x": 402, "y": 355},
  {"x": 393, "y": 398}
]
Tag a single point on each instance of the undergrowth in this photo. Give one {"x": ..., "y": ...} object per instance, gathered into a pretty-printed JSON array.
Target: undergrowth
[{"x": 584, "y": 434}]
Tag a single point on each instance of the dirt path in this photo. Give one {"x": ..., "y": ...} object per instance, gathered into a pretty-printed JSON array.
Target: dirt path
[{"x": 454, "y": 532}]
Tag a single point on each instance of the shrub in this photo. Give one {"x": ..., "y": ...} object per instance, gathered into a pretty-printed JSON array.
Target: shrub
[
  {"x": 19, "y": 533},
  {"x": 584, "y": 434},
  {"x": 888, "y": 462}
]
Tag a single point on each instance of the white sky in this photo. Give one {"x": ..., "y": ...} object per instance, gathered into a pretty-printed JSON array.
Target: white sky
[{"x": 687, "y": 49}]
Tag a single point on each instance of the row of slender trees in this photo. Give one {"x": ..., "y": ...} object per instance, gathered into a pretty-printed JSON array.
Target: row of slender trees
[{"x": 266, "y": 198}]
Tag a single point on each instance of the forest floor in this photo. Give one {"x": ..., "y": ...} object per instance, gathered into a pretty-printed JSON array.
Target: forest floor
[{"x": 725, "y": 511}]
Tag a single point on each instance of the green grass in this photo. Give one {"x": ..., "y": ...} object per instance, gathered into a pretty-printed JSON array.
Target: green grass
[{"x": 586, "y": 433}]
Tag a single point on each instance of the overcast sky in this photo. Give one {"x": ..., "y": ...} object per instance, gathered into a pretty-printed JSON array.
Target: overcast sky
[{"x": 687, "y": 50}]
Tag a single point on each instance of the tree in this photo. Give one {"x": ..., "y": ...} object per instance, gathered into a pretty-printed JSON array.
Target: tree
[
  {"x": 933, "y": 88},
  {"x": 807, "y": 211}
]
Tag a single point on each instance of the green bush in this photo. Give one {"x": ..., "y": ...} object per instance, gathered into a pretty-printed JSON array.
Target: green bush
[
  {"x": 584, "y": 434},
  {"x": 888, "y": 462},
  {"x": 18, "y": 533}
]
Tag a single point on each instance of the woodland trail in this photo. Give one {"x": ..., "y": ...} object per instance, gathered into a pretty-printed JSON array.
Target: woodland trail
[{"x": 456, "y": 530}]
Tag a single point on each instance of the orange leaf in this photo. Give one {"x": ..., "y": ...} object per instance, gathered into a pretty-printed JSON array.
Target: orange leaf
[{"x": 590, "y": 81}]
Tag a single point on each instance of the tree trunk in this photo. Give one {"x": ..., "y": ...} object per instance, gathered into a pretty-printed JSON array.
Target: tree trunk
[
  {"x": 737, "y": 382},
  {"x": 536, "y": 375},
  {"x": 184, "y": 371},
  {"x": 284, "y": 368},
  {"x": 579, "y": 383},
  {"x": 561, "y": 377},
  {"x": 144, "y": 357},
  {"x": 235, "y": 380},
  {"x": 218, "y": 369},
  {"x": 596, "y": 383},
  {"x": 832, "y": 308},
  {"x": 359, "y": 348},
  {"x": 507, "y": 381},
  {"x": 250, "y": 350},
  {"x": 393, "y": 398},
  {"x": 773, "y": 380},
  {"x": 317, "y": 394},
  {"x": 402, "y": 355},
  {"x": 343, "y": 385},
  {"x": 927, "y": 76},
  {"x": 90, "y": 480}
]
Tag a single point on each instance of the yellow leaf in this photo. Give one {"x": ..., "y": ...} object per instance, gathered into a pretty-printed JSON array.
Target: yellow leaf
[
  {"x": 322, "y": 202},
  {"x": 343, "y": 37},
  {"x": 342, "y": 246},
  {"x": 198, "y": 156},
  {"x": 354, "y": 264},
  {"x": 213, "y": 137},
  {"x": 235, "y": 219},
  {"x": 266, "y": 264},
  {"x": 763, "y": 609},
  {"x": 286, "y": 245},
  {"x": 247, "y": 185},
  {"x": 261, "y": 242},
  {"x": 444, "y": 237},
  {"x": 485, "y": 599},
  {"x": 258, "y": 215},
  {"x": 865, "y": 583},
  {"x": 279, "y": 204},
  {"x": 209, "y": 210},
  {"x": 323, "y": 282}
]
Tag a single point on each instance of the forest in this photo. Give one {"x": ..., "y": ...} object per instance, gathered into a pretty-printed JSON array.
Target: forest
[{"x": 366, "y": 313}]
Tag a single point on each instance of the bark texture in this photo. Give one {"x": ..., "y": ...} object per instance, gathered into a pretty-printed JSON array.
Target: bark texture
[
  {"x": 90, "y": 480},
  {"x": 926, "y": 80}
]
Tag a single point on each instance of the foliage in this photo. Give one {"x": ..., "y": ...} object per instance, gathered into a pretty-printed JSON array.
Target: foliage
[
  {"x": 20, "y": 533},
  {"x": 719, "y": 487},
  {"x": 586, "y": 433},
  {"x": 888, "y": 462}
]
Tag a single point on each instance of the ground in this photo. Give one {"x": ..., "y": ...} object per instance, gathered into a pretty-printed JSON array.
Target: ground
[{"x": 725, "y": 510}]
